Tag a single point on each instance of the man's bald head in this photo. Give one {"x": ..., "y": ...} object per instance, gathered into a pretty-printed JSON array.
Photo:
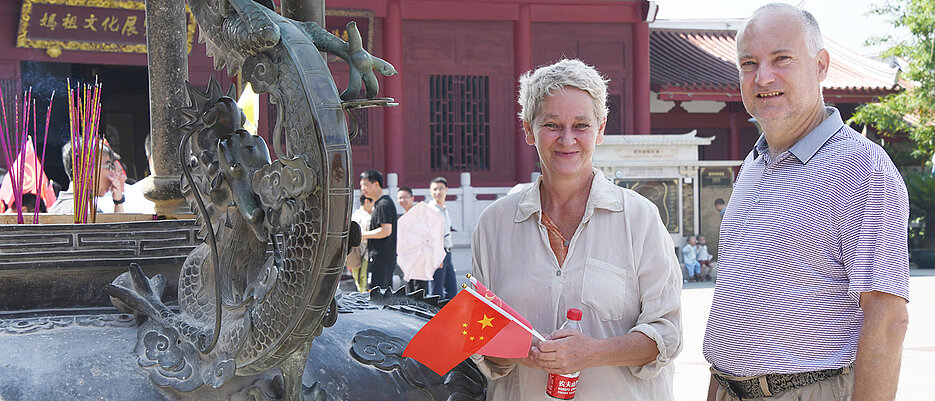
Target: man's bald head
[{"x": 813, "y": 38}]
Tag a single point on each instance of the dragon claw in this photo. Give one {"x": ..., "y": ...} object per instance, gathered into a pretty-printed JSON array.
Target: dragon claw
[
  {"x": 354, "y": 42},
  {"x": 140, "y": 282},
  {"x": 129, "y": 301},
  {"x": 133, "y": 292}
]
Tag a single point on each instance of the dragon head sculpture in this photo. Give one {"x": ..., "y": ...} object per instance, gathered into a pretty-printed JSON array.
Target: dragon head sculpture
[{"x": 227, "y": 154}]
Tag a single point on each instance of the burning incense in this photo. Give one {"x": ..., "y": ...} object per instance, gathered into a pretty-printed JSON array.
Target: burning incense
[
  {"x": 4, "y": 142},
  {"x": 17, "y": 139},
  {"x": 99, "y": 150},
  {"x": 41, "y": 171},
  {"x": 23, "y": 136},
  {"x": 37, "y": 174},
  {"x": 84, "y": 111}
]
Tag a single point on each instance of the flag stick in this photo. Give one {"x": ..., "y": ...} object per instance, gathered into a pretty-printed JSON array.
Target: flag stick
[{"x": 503, "y": 312}]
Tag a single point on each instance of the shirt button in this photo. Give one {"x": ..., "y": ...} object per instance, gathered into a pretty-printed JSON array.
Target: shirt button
[{"x": 558, "y": 272}]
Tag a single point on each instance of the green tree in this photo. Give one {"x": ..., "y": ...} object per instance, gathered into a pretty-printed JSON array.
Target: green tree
[
  {"x": 921, "y": 188},
  {"x": 911, "y": 111}
]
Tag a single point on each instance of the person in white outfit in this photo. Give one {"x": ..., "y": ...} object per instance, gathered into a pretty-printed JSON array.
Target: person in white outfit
[
  {"x": 356, "y": 260},
  {"x": 573, "y": 239}
]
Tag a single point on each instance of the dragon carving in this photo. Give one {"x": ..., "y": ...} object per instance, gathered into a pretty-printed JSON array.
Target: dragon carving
[{"x": 243, "y": 310}]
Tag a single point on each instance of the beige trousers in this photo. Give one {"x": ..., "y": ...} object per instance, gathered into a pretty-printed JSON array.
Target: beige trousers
[{"x": 838, "y": 388}]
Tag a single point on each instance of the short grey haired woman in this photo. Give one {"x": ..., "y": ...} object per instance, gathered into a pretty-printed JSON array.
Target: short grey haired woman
[{"x": 573, "y": 239}]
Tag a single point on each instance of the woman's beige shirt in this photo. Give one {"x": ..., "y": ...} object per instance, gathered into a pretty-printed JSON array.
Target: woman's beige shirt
[{"x": 621, "y": 271}]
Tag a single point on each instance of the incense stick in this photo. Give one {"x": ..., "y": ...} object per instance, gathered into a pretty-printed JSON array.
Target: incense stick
[
  {"x": 37, "y": 174},
  {"x": 4, "y": 143},
  {"x": 17, "y": 138},
  {"x": 45, "y": 142},
  {"x": 84, "y": 111}
]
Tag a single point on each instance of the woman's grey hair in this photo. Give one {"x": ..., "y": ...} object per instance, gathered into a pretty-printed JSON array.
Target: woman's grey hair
[
  {"x": 814, "y": 41},
  {"x": 534, "y": 86}
]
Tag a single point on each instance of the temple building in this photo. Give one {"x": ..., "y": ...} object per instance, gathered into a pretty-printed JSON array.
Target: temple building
[
  {"x": 695, "y": 85},
  {"x": 458, "y": 63}
]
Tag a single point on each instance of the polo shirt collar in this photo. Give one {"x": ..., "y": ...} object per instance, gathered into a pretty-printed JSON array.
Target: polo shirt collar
[
  {"x": 806, "y": 147},
  {"x": 602, "y": 196}
]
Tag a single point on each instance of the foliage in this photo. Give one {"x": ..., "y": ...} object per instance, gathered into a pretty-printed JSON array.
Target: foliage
[
  {"x": 911, "y": 111},
  {"x": 921, "y": 188}
]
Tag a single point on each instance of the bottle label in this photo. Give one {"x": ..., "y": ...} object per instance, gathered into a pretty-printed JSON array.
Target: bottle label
[{"x": 562, "y": 387}]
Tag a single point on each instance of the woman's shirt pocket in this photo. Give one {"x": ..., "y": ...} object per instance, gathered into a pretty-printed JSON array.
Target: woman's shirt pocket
[{"x": 604, "y": 289}]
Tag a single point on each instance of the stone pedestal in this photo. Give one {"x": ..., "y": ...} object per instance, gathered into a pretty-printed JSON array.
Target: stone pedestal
[
  {"x": 166, "y": 193},
  {"x": 167, "y": 56},
  {"x": 67, "y": 266}
]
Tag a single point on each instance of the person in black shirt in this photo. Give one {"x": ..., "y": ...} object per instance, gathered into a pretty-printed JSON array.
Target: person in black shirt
[{"x": 381, "y": 235}]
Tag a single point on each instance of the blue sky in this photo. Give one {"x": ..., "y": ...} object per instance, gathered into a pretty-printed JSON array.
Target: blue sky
[{"x": 844, "y": 21}]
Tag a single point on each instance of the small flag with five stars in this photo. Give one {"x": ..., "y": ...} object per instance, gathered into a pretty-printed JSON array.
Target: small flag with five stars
[
  {"x": 463, "y": 327},
  {"x": 502, "y": 346}
]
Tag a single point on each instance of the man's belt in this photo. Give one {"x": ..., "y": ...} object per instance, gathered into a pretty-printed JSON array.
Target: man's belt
[{"x": 772, "y": 384}]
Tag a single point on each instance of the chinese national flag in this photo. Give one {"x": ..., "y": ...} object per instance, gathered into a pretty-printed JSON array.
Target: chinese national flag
[
  {"x": 28, "y": 186},
  {"x": 502, "y": 346},
  {"x": 461, "y": 328}
]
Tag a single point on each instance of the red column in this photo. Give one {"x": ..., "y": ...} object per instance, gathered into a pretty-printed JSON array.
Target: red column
[
  {"x": 733, "y": 152},
  {"x": 393, "y": 130},
  {"x": 525, "y": 155},
  {"x": 641, "y": 78}
]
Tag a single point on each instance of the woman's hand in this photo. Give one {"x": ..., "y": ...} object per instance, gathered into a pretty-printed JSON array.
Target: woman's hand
[
  {"x": 528, "y": 361},
  {"x": 566, "y": 351}
]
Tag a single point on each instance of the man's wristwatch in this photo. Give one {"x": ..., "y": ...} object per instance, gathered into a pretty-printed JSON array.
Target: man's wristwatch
[{"x": 121, "y": 200}]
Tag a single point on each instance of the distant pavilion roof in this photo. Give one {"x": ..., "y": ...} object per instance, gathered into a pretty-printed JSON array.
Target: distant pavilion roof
[{"x": 696, "y": 60}]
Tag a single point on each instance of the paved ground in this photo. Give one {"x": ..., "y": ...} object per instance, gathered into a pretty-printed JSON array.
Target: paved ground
[
  {"x": 691, "y": 376},
  {"x": 691, "y": 369}
]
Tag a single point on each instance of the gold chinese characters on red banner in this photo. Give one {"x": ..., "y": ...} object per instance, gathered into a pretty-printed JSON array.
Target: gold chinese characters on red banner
[{"x": 87, "y": 25}]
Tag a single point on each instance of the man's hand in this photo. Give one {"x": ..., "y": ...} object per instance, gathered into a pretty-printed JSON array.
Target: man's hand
[
  {"x": 118, "y": 180},
  {"x": 117, "y": 184},
  {"x": 385, "y": 230},
  {"x": 712, "y": 389}
]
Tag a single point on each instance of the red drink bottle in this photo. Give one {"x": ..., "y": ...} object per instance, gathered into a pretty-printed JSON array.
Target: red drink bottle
[{"x": 562, "y": 387}]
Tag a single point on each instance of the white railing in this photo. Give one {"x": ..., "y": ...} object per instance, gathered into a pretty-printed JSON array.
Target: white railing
[{"x": 464, "y": 209}]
